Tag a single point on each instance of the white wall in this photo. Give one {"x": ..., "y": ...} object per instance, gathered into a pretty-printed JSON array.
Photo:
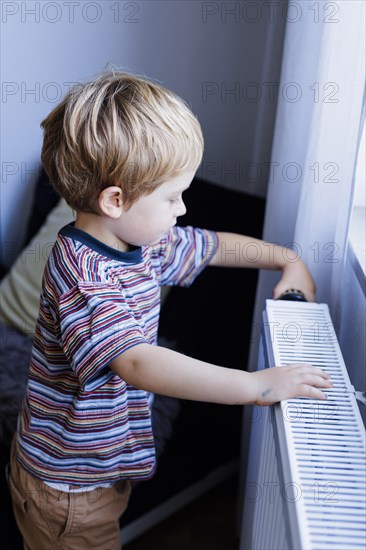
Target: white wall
[{"x": 202, "y": 50}]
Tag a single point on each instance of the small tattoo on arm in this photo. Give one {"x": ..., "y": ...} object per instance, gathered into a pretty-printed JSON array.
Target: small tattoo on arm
[{"x": 266, "y": 392}]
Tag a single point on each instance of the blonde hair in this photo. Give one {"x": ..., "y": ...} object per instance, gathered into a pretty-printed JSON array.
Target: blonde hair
[{"x": 118, "y": 130}]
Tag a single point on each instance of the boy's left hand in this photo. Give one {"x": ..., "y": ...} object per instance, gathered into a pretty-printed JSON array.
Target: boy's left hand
[{"x": 296, "y": 275}]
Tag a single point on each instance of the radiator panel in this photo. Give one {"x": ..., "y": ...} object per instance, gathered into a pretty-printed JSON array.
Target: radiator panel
[{"x": 319, "y": 447}]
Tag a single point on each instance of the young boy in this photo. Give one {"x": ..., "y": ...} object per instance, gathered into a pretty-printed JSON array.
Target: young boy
[{"x": 121, "y": 150}]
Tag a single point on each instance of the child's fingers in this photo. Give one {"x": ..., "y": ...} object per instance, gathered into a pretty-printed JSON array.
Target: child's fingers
[
  {"x": 316, "y": 380},
  {"x": 312, "y": 392},
  {"x": 310, "y": 379},
  {"x": 307, "y": 368}
]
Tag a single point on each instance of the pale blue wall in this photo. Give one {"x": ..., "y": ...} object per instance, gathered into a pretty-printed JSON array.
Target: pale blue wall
[{"x": 199, "y": 49}]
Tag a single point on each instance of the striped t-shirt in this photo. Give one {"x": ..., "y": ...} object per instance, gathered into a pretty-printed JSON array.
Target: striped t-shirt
[{"x": 80, "y": 422}]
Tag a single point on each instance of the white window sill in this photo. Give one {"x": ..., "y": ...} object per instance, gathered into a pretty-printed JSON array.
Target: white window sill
[{"x": 357, "y": 249}]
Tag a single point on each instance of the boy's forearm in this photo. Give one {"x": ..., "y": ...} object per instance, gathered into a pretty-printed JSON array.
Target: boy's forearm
[
  {"x": 167, "y": 372},
  {"x": 241, "y": 251},
  {"x": 237, "y": 250}
]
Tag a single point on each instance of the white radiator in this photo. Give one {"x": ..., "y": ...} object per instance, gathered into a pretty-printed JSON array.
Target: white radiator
[{"x": 305, "y": 472}]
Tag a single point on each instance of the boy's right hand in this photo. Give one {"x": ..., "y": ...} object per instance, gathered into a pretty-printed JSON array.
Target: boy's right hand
[{"x": 295, "y": 380}]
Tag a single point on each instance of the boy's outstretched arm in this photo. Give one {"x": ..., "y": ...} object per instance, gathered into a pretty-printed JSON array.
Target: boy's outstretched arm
[
  {"x": 163, "y": 371},
  {"x": 237, "y": 250}
]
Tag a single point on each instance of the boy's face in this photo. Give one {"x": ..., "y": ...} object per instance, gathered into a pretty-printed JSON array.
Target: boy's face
[{"x": 153, "y": 215}]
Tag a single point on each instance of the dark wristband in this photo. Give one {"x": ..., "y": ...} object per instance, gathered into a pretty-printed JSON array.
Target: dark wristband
[{"x": 293, "y": 294}]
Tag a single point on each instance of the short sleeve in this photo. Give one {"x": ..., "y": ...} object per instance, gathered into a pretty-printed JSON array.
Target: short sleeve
[
  {"x": 96, "y": 327},
  {"x": 183, "y": 253}
]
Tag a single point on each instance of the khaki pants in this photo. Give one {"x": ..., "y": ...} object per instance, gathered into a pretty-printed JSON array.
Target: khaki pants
[{"x": 54, "y": 520}]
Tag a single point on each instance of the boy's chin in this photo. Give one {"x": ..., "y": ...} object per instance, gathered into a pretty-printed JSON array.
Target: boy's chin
[
  {"x": 148, "y": 242},
  {"x": 155, "y": 241},
  {"x": 152, "y": 241}
]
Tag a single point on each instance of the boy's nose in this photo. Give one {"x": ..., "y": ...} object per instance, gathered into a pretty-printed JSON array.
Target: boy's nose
[{"x": 181, "y": 209}]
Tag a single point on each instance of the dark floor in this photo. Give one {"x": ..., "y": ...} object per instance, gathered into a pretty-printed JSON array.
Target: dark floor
[{"x": 209, "y": 523}]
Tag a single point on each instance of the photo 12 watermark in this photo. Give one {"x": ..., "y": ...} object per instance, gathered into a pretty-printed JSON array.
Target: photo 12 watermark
[
  {"x": 310, "y": 411},
  {"x": 252, "y": 252},
  {"x": 291, "y": 492},
  {"x": 258, "y": 11},
  {"x": 119, "y": 11},
  {"x": 20, "y": 171},
  {"x": 269, "y": 92},
  {"x": 34, "y": 92},
  {"x": 252, "y": 173}
]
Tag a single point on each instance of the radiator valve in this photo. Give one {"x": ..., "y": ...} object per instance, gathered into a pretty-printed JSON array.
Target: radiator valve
[{"x": 361, "y": 396}]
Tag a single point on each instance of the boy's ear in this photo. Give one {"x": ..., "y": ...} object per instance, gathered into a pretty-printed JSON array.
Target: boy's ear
[{"x": 110, "y": 202}]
